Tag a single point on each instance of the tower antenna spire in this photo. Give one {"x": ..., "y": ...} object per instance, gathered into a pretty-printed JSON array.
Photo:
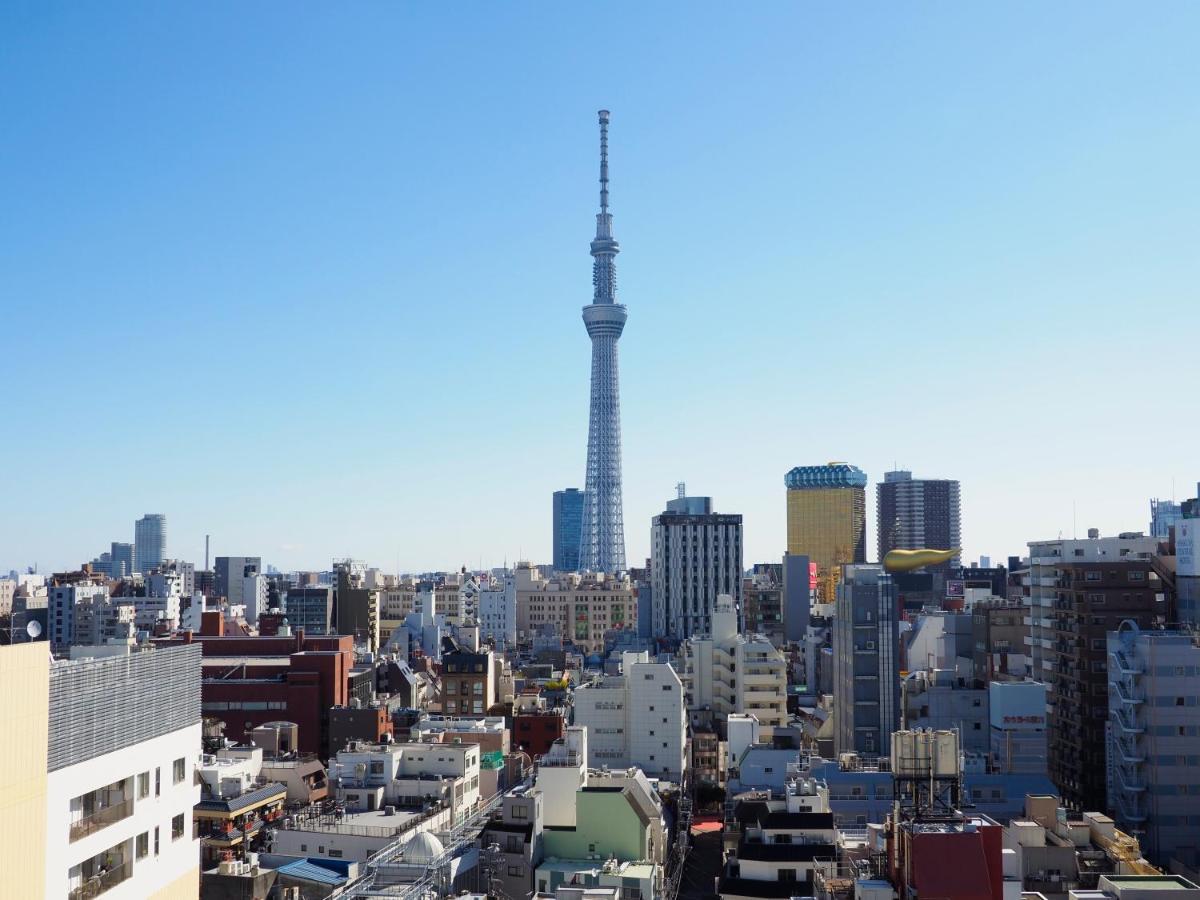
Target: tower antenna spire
[{"x": 603, "y": 161}]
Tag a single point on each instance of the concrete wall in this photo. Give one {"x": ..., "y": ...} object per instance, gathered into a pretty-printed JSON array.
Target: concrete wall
[{"x": 24, "y": 710}]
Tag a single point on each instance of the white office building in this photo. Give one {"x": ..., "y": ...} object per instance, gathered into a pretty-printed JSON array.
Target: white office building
[
  {"x": 730, "y": 672},
  {"x": 637, "y": 718},
  {"x": 124, "y": 740},
  {"x": 696, "y": 555}
]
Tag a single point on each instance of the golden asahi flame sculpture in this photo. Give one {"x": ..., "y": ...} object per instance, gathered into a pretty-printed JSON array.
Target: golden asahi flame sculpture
[{"x": 908, "y": 560}]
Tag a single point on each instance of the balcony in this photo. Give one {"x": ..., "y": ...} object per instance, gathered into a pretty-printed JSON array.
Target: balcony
[
  {"x": 100, "y": 884},
  {"x": 101, "y": 818}
]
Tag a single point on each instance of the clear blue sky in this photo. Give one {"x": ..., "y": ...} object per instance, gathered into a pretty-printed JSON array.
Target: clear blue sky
[{"x": 308, "y": 278}]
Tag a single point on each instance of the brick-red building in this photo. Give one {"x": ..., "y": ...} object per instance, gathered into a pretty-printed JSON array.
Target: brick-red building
[
  {"x": 535, "y": 730},
  {"x": 249, "y": 681}
]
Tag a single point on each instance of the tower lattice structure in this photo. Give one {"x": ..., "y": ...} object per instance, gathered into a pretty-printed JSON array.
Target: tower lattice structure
[{"x": 602, "y": 538}]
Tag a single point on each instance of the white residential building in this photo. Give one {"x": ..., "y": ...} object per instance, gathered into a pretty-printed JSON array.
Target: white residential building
[
  {"x": 730, "y": 672},
  {"x": 696, "y": 556},
  {"x": 636, "y": 718},
  {"x": 371, "y": 776},
  {"x": 164, "y": 591},
  {"x": 498, "y": 611},
  {"x": 124, "y": 740},
  {"x": 101, "y": 619}
]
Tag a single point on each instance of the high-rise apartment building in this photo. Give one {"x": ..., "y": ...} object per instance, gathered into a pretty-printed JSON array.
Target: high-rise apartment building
[
  {"x": 1079, "y": 591},
  {"x": 1154, "y": 736},
  {"x": 866, "y": 670},
  {"x": 568, "y": 521},
  {"x": 602, "y": 541},
  {"x": 230, "y": 573},
  {"x": 827, "y": 514},
  {"x": 149, "y": 542},
  {"x": 696, "y": 554},
  {"x": 913, "y": 513}
]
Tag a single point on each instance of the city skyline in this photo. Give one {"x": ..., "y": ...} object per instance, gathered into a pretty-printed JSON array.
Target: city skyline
[{"x": 793, "y": 232}]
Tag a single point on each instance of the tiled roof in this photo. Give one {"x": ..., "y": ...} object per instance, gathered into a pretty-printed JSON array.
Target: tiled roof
[{"x": 245, "y": 801}]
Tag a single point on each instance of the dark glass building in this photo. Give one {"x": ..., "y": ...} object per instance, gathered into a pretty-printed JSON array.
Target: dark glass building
[{"x": 568, "y": 520}]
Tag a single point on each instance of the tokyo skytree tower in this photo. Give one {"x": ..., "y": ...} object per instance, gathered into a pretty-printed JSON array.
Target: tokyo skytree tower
[{"x": 602, "y": 538}]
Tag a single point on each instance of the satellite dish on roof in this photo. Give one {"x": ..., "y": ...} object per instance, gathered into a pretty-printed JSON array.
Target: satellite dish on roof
[{"x": 34, "y": 630}]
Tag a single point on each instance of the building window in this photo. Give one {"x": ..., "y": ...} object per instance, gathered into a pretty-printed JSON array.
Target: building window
[
  {"x": 336, "y": 854},
  {"x": 516, "y": 871},
  {"x": 520, "y": 811},
  {"x": 157, "y": 782},
  {"x": 143, "y": 845},
  {"x": 177, "y": 827},
  {"x": 143, "y": 786},
  {"x": 180, "y": 769},
  {"x": 156, "y": 840}
]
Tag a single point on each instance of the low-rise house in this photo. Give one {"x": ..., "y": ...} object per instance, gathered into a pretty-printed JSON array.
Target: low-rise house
[
  {"x": 235, "y": 803},
  {"x": 775, "y": 843}
]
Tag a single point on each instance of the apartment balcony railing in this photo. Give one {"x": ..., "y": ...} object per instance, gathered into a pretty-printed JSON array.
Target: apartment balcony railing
[
  {"x": 561, "y": 761},
  {"x": 100, "y": 884},
  {"x": 101, "y": 818}
]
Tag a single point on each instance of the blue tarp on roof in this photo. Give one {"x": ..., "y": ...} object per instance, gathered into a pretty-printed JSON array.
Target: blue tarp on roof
[{"x": 310, "y": 871}]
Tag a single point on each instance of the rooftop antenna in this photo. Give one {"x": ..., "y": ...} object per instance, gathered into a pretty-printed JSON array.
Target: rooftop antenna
[
  {"x": 1074, "y": 526},
  {"x": 680, "y": 490}
]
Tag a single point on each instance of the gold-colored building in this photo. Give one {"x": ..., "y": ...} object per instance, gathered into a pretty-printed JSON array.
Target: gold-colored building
[{"x": 827, "y": 514}]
